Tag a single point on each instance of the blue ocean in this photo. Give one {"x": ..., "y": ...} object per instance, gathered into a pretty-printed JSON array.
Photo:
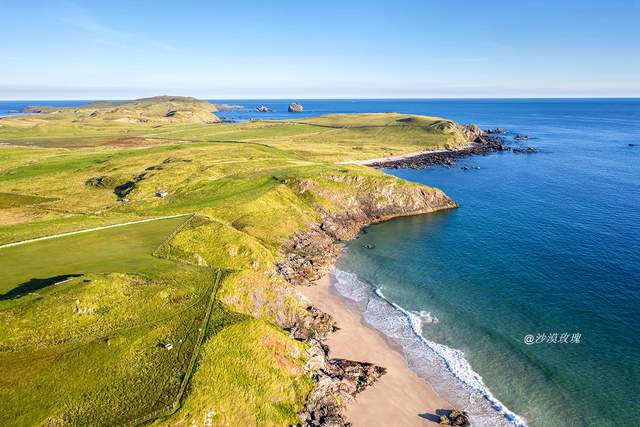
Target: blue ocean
[{"x": 523, "y": 304}]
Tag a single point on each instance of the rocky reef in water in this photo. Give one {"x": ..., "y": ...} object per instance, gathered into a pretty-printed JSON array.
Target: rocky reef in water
[{"x": 481, "y": 142}]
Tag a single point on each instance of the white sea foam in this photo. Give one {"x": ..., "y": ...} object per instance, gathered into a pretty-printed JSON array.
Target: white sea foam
[
  {"x": 423, "y": 317},
  {"x": 446, "y": 368}
]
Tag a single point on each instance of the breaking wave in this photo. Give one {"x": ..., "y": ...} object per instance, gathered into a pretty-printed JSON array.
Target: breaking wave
[{"x": 445, "y": 368}]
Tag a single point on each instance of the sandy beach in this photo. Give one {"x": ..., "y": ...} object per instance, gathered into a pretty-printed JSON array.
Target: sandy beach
[{"x": 400, "y": 397}]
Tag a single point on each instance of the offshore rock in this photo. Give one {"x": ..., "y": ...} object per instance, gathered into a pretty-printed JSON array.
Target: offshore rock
[
  {"x": 294, "y": 107},
  {"x": 263, "y": 109},
  {"x": 497, "y": 131},
  {"x": 525, "y": 150}
]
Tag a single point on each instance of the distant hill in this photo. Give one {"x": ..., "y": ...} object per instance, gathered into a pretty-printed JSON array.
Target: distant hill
[{"x": 169, "y": 109}]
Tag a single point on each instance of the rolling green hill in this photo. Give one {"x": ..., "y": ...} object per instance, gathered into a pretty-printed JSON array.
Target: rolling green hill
[{"x": 176, "y": 320}]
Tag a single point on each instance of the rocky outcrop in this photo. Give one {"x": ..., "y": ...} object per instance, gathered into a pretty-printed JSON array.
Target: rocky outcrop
[
  {"x": 481, "y": 145},
  {"x": 497, "y": 131},
  {"x": 455, "y": 418},
  {"x": 472, "y": 132},
  {"x": 294, "y": 107},
  {"x": 263, "y": 109},
  {"x": 525, "y": 150},
  {"x": 309, "y": 255},
  {"x": 311, "y": 325},
  {"x": 103, "y": 181},
  {"x": 338, "y": 381}
]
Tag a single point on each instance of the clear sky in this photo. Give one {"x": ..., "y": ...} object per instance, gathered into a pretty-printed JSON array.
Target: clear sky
[{"x": 319, "y": 49}]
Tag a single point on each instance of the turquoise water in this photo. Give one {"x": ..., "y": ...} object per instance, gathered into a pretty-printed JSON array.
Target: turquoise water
[{"x": 543, "y": 243}]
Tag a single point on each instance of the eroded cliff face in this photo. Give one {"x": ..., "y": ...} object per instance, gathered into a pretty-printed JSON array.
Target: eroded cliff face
[{"x": 309, "y": 255}]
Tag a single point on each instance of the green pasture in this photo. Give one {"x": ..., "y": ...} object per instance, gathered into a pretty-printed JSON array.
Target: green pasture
[{"x": 125, "y": 249}]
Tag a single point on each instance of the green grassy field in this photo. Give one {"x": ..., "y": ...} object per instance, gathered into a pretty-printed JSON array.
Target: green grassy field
[
  {"x": 13, "y": 200},
  {"x": 86, "y": 319},
  {"x": 128, "y": 248}
]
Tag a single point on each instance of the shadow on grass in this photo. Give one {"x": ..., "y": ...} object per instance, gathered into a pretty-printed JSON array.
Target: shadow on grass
[{"x": 35, "y": 285}]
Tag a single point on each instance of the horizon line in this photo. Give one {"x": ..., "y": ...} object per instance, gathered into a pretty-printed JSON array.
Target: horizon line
[{"x": 334, "y": 98}]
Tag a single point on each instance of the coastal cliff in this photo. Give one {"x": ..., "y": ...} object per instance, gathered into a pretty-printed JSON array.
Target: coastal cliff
[{"x": 309, "y": 255}]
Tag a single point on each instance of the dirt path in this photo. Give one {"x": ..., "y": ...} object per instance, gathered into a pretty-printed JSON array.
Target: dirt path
[{"x": 87, "y": 230}]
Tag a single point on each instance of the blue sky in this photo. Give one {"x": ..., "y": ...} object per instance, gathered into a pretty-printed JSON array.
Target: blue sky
[{"x": 319, "y": 49}]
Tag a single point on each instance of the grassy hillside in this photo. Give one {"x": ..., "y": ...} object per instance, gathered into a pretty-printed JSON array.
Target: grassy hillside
[{"x": 86, "y": 318}]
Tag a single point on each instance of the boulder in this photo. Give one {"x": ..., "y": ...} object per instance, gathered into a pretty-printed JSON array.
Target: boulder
[
  {"x": 525, "y": 150},
  {"x": 497, "y": 131},
  {"x": 103, "y": 181},
  {"x": 263, "y": 109},
  {"x": 294, "y": 107},
  {"x": 521, "y": 137},
  {"x": 455, "y": 418}
]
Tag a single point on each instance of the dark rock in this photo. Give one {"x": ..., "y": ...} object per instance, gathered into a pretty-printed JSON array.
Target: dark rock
[
  {"x": 465, "y": 168},
  {"x": 521, "y": 137},
  {"x": 338, "y": 381},
  {"x": 525, "y": 150},
  {"x": 314, "y": 324},
  {"x": 482, "y": 143},
  {"x": 123, "y": 190},
  {"x": 497, "y": 131},
  {"x": 633, "y": 145},
  {"x": 103, "y": 181},
  {"x": 369, "y": 246},
  {"x": 455, "y": 418},
  {"x": 294, "y": 107},
  {"x": 263, "y": 109}
]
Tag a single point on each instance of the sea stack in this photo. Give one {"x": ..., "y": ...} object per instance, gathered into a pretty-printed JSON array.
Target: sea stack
[{"x": 294, "y": 107}]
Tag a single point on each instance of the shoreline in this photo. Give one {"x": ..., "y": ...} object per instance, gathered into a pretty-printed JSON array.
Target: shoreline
[
  {"x": 400, "y": 397},
  {"x": 483, "y": 143},
  {"x": 406, "y": 156}
]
